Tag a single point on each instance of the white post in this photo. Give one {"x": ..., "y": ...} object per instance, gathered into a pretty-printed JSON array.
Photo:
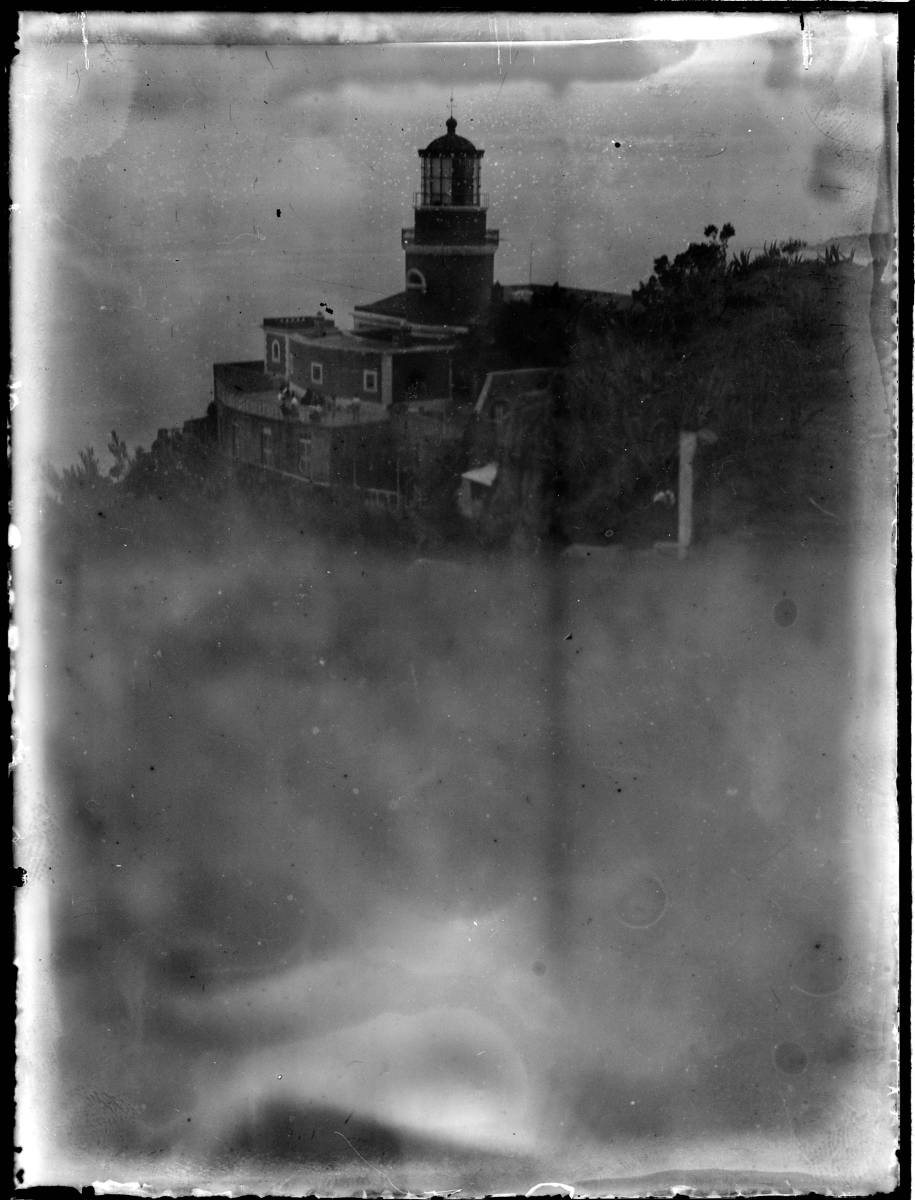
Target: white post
[{"x": 685, "y": 497}]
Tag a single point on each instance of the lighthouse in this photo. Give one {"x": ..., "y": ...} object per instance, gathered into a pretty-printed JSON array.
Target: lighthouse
[{"x": 448, "y": 251}]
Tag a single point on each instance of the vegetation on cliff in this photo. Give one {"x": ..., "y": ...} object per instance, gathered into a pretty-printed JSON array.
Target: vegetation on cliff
[{"x": 751, "y": 349}]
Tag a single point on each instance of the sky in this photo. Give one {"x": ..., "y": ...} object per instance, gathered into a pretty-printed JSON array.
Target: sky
[{"x": 180, "y": 176}]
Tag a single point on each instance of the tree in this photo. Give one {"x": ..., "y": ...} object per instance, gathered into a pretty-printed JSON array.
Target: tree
[
  {"x": 76, "y": 484},
  {"x": 121, "y": 456},
  {"x": 686, "y": 290},
  {"x": 176, "y": 464}
]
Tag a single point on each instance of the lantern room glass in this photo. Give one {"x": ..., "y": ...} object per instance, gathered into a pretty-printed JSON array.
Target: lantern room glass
[{"x": 451, "y": 180}]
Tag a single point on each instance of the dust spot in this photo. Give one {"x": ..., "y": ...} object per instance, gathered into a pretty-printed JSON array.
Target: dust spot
[
  {"x": 539, "y": 968},
  {"x": 785, "y": 612},
  {"x": 821, "y": 965},
  {"x": 790, "y": 1058},
  {"x": 640, "y": 901}
]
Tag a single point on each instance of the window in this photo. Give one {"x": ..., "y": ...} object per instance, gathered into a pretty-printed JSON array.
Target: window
[
  {"x": 304, "y": 460},
  {"x": 416, "y": 279},
  {"x": 370, "y": 381},
  {"x": 275, "y": 349},
  {"x": 266, "y": 447},
  {"x": 437, "y": 180},
  {"x": 317, "y": 372}
]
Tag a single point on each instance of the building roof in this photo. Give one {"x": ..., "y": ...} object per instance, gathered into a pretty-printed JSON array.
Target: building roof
[
  {"x": 333, "y": 338},
  {"x": 267, "y": 406},
  {"x": 512, "y": 386},
  {"x": 527, "y": 291},
  {"x": 297, "y": 324},
  {"x": 359, "y": 342},
  {"x": 418, "y": 312},
  {"x": 485, "y": 475},
  {"x": 388, "y": 306},
  {"x": 451, "y": 145},
  {"x": 247, "y": 388}
]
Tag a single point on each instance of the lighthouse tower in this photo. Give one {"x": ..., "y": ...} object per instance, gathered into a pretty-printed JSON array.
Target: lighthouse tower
[{"x": 449, "y": 251}]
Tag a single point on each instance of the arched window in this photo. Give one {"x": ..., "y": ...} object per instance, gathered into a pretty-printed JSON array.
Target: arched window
[
  {"x": 275, "y": 350},
  {"x": 416, "y": 279}
]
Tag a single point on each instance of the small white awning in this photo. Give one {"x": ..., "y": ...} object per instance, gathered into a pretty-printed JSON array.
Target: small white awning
[{"x": 484, "y": 475}]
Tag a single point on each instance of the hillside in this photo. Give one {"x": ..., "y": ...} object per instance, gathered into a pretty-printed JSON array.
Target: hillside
[
  {"x": 787, "y": 365},
  {"x": 833, "y": 474}
]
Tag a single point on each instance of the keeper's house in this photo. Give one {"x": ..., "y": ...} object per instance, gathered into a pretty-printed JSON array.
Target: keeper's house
[{"x": 317, "y": 408}]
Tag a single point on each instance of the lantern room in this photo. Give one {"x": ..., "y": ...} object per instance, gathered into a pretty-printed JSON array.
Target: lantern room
[{"x": 450, "y": 172}]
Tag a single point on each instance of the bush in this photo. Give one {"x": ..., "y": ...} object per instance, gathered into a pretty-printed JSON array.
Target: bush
[
  {"x": 177, "y": 465},
  {"x": 686, "y": 290}
]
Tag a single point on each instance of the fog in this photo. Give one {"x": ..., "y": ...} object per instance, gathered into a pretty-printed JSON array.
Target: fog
[{"x": 466, "y": 874}]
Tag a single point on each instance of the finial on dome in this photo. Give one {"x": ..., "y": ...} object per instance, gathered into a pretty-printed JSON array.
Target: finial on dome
[{"x": 451, "y": 124}]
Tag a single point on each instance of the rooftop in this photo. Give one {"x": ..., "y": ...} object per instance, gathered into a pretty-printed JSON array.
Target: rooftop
[
  {"x": 312, "y": 333},
  {"x": 389, "y": 306},
  {"x": 343, "y": 414},
  {"x": 299, "y": 324},
  {"x": 509, "y": 386},
  {"x": 527, "y": 291},
  {"x": 397, "y": 307},
  {"x": 450, "y": 144},
  {"x": 486, "y": 475},
  {"x": 247, "y": 388},
  {"x": 342, "y": 339}
]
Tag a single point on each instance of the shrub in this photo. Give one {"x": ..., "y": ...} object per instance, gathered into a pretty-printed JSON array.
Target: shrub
[{"x": 684, "y": 291}]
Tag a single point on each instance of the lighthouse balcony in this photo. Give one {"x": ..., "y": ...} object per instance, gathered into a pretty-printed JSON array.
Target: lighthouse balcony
[
  {"x": 490, "y": 237},
  {"x": 425, "y": 200}
]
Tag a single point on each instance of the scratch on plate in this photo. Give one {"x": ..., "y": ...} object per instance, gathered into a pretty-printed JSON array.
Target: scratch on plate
[
  {"x": 806, "y": 45},
  {"x": 82, "y": 20}
]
